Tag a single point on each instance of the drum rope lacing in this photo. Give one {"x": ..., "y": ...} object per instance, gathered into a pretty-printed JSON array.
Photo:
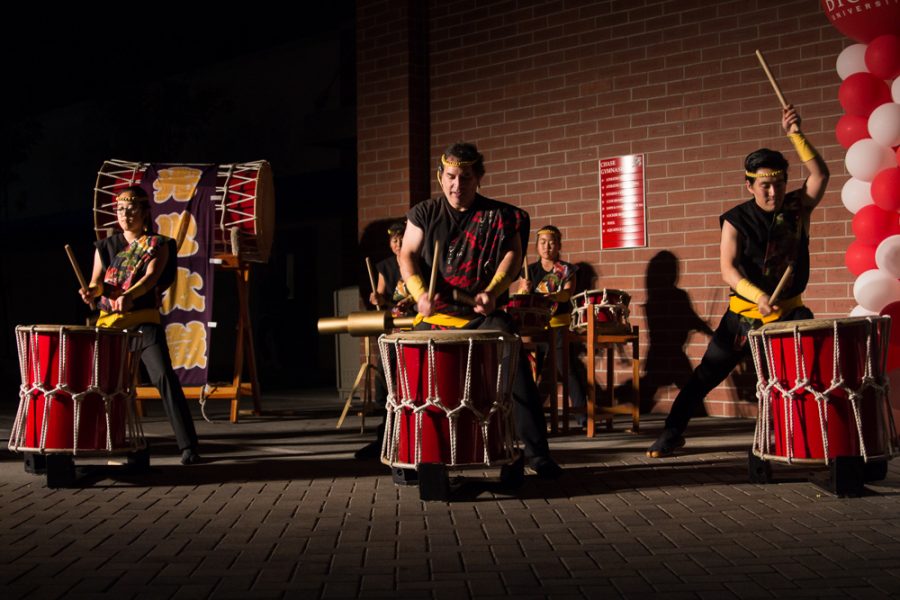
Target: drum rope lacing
[
  {"x": 18, "y": 432},
  {"x": 765, "y": 395},
  {"x": 619, "y": 310},
  {"x": 395, "y": 403},
  {"x": 29, "y": 341}
]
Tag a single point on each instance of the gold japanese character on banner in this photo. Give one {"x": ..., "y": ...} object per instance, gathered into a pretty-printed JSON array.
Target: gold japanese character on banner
[
  {"x": 187, "y": 344},
  {"x": 176, "y": 182},
  {"x": 184, "y": 294},
  {"x": 170, "y": 225}
]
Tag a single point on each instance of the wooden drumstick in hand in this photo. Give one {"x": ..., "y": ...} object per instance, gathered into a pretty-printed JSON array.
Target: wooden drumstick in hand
[
  {"x": 765, "y": 66},
  {"x": 780, "y": 287},
  {"x": 78, "y": 273},
  {"x": 460, "y": 297},
  {"x": 372, "y": 281},
  {"x": 434, "y": 265}
]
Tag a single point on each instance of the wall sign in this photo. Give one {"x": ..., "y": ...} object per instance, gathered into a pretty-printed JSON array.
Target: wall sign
[{"x": 623, "y": 205}]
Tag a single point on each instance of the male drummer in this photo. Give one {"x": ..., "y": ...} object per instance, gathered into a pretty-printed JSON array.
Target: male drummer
[
  {"x": 760, "y": 238},
  {"x": 555, "y": 278},
  {"x": 481, "y": 243}
]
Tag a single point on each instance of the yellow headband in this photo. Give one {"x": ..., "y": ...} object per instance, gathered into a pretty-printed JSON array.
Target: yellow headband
[
  {"x": 548, "y": 231},
  {"x": 755, "y": 175},
  {"x": 456, "y": 163}
]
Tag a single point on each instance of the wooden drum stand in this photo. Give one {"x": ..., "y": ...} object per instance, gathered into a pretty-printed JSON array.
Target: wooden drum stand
[{"x": 244, "y": 352}]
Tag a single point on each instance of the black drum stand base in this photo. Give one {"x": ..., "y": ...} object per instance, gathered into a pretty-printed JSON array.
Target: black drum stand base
[
  {"x": 845, "y": 476},
  {"x": 436, "y": 485},
  {"x": 60, "y": 470}
]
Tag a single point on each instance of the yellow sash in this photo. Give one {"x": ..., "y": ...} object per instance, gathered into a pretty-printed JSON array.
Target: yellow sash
[
  {"x": 442, "y": 320},
  {"x": 128, "y": 320},
  {"x": 745, "y": 308},
  {"x": 561, "y": 320}
]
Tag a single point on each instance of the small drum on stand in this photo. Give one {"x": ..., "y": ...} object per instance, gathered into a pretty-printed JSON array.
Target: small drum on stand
[
  {"x": 530, "y": 312},
  {"x": 76, "y": 398},
  {"x": 823, "y": 399},
  {"x": 449, "y": 404},
  {"x": 610, "y": 310}
]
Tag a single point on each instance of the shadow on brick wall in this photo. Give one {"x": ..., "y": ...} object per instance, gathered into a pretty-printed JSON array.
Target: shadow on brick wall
[{"x": 670, "y": 320}]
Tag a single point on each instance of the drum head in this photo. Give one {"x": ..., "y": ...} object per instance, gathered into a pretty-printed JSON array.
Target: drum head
[
  {"x": 622, "y": 295},
  {"x": 265, "y": 212},
  {"x": 70, "y": 329},
  {"x": 811, "y": 325},
  {"x": 458, "y": 336}
]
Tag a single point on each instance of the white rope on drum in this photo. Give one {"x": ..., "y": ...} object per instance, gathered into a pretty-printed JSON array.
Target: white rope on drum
[
  {"x": 760, "y": 435},
  {"x": 22, "y": 412},
  {"x": 383, "y": 351}
]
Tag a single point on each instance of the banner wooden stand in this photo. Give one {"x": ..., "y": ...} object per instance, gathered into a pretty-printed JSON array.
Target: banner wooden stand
[{"x": 243, "y": 351}]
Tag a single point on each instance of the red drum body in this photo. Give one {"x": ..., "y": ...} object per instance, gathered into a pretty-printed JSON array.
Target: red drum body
[
  {"x": 822, "y": 390},
  {"x": 608, "y": 308},
  {"x": 530, "y": 312},
  {"x": 77, "y": 393},
  {"x": 450, "y": 398},
  {"x": 245, "y": 204}
]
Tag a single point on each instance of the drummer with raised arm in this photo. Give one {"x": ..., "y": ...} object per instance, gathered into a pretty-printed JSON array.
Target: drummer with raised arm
[
  {"x": 761, "y": 239},
  {"x": 480, "y": 250},
  {"x": 131, "y": 271}
]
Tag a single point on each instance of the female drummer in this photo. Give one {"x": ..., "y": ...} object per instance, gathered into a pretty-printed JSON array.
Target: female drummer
[
  {"x": 555, "y": 279},
  {"x": 126, "y": 277}
]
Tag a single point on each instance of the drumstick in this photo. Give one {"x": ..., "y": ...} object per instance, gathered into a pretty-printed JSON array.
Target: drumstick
[
  {"x": 181, "y": 232},
  {"x": 460, "y": 297},
  {"x": 372, "y": 280},
  {"x": 78, "y": 273},
  {"x": 434, "y": 265},
  {"x": 765, "y": 66},
  {"x": 780, "y": 287}
]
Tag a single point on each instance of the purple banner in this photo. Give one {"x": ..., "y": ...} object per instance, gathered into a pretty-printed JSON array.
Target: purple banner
[{"x": 182, "y": 208}]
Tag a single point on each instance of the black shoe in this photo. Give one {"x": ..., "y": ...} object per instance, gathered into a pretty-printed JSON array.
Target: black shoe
[
  {"x": 369, "y": 451},
  {"x": 668, "y": 442},
  {"x": 189, "y": 456},
  {"x": 546, "y": 468}
]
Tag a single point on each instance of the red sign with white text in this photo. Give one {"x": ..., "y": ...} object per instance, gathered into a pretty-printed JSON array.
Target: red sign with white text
[{"x": 623, "y": 205}]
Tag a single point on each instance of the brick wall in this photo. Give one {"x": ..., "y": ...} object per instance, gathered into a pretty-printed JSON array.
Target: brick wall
[{"x": 546, "y": 89}]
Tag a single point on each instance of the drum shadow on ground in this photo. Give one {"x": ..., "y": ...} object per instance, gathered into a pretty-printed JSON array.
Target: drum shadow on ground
[
  {"x": 470, "y": 486},
  {"x": 238, "y": 470},
  {"x": 216, "y": 451}
]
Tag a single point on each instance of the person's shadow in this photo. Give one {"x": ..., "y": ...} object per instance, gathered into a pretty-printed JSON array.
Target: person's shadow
[{"x": 670, "y": 320}]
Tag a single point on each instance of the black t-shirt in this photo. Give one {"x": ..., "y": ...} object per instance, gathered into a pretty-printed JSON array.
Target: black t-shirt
[
  {"x": 473, "y": 243},
  {"x": 771, "y": 241},
  {"x": 389, "y": 268}
]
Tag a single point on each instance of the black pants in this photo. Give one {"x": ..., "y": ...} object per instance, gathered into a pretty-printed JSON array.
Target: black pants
[
  {"x": 528, "y": 411},
  {"x": 576, "y": 375},
  {"x": 155, "y": 356},
  {"x": 726, "y": 349}
]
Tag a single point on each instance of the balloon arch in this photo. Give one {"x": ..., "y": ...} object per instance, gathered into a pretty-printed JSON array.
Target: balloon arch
[{"x": 870, "y": 132}]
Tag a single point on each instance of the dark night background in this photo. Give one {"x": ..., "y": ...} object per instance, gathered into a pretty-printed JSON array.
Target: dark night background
[{"x": 175, "y": 84}]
